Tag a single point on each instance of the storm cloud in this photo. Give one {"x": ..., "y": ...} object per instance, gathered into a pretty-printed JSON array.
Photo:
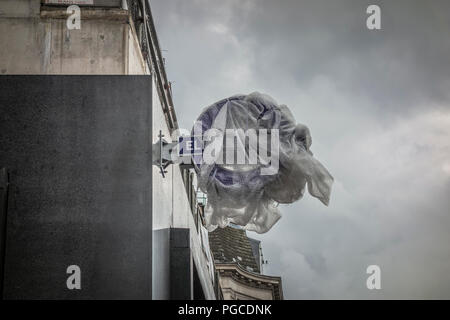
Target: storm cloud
[{"x": 377, "y": 103}]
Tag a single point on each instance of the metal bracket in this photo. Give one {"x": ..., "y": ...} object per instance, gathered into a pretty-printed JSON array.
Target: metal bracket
[{"x": 162, "y": 154}]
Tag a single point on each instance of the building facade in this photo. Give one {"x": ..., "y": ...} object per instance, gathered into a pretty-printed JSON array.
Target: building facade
[
  {"x": 238, "y": 260},
  {"x": 117, "y": 38},
  {"x": 97, "y": 201}
]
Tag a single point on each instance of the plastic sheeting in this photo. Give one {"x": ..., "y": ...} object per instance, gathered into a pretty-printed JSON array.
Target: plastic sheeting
[{"x": 247, "y": 194}]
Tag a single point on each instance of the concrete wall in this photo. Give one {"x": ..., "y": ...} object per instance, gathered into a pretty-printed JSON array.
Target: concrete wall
[
  {"x": 46, "y": 46},
  {"x": 34, "y": 43}
]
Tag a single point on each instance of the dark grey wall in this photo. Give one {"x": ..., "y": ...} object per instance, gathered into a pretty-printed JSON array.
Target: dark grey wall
[
  {"x": 161, "y": 264},
  {"x": 173, "y": 267},
  {"x": 181, "y": 268},
  {"x": 78, "y": 153}
]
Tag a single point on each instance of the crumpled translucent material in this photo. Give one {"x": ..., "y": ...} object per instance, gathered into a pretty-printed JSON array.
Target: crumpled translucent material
[{"x": 240, "y": 193}]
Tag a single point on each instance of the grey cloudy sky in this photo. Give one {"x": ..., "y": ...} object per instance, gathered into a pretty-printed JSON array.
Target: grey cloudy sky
[{"x": 378, "y": 106}]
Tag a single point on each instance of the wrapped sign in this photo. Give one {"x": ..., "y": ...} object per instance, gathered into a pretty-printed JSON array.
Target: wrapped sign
[{"x": 255, "y": 156}]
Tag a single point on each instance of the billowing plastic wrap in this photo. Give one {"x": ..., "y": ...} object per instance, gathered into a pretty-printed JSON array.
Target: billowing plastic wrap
[{"x": 246, "y": 193}]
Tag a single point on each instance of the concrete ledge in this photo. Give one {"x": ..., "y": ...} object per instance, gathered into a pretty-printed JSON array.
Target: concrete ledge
[
  {"x": 19, "y": 9},
  {"x": 96, "y": 3},
  {"x": 112, "y": 14}
]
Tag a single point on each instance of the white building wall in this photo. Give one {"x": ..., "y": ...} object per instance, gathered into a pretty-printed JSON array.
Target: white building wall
[{"x": 163, "y": 194}]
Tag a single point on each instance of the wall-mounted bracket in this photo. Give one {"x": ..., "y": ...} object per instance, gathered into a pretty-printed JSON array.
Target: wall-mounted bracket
[
  {"x": 162, "y": 153},
  {"x": 165, "y": 153}
]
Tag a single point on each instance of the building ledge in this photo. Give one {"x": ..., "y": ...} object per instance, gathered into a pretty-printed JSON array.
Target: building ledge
[
  {"x": 251, "y": 279},
  {"x": 111, "y": 14}
]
